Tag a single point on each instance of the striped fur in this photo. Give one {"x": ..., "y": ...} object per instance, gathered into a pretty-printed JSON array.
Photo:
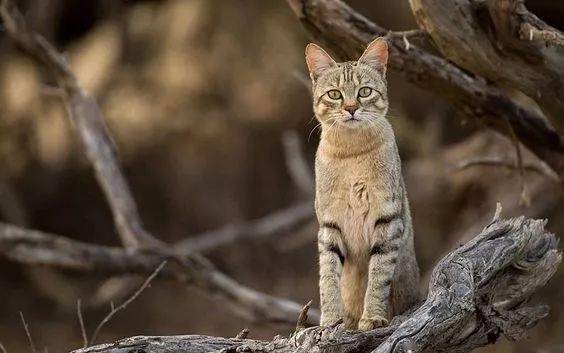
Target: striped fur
[{"x": 368, "y": 270}]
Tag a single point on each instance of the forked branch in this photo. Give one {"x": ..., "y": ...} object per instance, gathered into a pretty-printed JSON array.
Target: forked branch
[{"x": 477, "y": 293}]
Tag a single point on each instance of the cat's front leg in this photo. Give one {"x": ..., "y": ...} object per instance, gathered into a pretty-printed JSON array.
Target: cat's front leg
[
  {"x": 331, "y": 259},
  {"x": 381, "y": 268}
]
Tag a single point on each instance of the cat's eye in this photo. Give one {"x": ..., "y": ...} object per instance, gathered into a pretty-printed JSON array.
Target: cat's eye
[
  {"x": 364, "y": 92},
  {"x": 334, "y": 94}
]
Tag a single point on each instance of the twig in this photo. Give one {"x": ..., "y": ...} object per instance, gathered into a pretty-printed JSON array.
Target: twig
[
  {"x": 81, "y": 323},
  {"x": 497, "y": 214},
  {"x": 524, "y": 198},
  {"x": 302, "y": 319},
  {"x": 38, "y": 248},
  {"x": 532, "y": 166},
  {"x": 243, "y": 334},
  {"x": 28, "y": 334},
  {"x": 296, "y": 162},
  {"x": 278, "y": 222},
  {"x": 548, "y": 36},
  {"x": 407, "y": 35},
  {"x": 124, "y": 305},
  {"x": 2, "y": 349}
]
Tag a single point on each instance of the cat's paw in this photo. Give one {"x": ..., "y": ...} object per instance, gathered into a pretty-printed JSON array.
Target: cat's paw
[{"x": 367, "y": 324}]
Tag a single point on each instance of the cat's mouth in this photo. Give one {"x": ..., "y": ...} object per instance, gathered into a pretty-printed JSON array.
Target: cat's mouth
[{"x": 351, "y": 119}]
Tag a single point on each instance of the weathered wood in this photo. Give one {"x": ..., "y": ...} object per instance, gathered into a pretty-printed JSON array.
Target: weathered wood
[
  {"x": 41, "y": 249},
  {"x": 345, "y": 32},
  {"x": 476, "y": 293},
  {"x": 502, "y": 41}
]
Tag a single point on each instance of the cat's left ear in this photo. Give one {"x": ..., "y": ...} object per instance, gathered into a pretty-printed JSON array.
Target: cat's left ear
[
  {"x": 317, "y": 61},
  {"x": 376, "y": 55}
]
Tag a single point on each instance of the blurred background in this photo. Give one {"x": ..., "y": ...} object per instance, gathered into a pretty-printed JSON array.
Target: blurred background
[{"x": 197, "y": 95}]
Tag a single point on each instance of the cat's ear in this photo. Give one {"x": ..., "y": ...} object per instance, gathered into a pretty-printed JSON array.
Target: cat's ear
[
  {"x": 376, "y": 55},
  {"x": 317, "y": 60}
]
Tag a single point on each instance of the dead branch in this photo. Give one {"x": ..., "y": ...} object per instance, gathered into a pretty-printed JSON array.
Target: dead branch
[
  {"x": 81, "y": 323},
  {"x": 533, "y": 28},
  {"x": 501, "y": 41},
  {"x": 477, "y": 293},
  {"x": 538, "y": 167},
  {"x": 278, "y": 222},
  {"x": 100, "y": 150},
  {"x": 243, "y": 334},
  {"x": 89, "y": 126},
  {"x": 41, "y": 249},
  {"x": 296, "y": 162},
  {"x": 346, "y": 32},
  {"x": 28, "y": 334},
  {"x": 124, "y": 305}
]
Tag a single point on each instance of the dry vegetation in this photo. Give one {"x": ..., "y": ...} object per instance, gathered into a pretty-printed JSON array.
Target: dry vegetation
[{"x": 204, "y": 101}]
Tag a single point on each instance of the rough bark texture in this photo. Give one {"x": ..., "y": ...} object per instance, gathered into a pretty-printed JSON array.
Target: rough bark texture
[
  {"x": 501, "y": 41},
  {"x": 345, "y": 32},
  {"x": 476, "y": 293}
]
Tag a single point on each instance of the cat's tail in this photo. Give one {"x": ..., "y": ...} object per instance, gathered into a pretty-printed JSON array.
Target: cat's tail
[{"x": 353, "y": 287}]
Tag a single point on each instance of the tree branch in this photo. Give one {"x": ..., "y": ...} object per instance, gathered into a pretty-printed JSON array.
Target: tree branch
[
  {"x": 41, "y": 249},
  {"x": 89, "y": 126},
  {"x": 499, "y": 40},
  {"x": 476, "y": 293},
  {"x": 346, "y": 32},
  {"x": 534, "y": 166},
  {"x": 278, "y": 222}
]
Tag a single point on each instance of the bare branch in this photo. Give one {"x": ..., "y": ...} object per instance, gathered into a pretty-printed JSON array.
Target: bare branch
[
  {"x": 28, "y": 334},
  {"x": 81, "y": 323},
  {"x": 302, "y": 319},
  {"x": 124, "y": 305},
  {"x": 296, "y": 162},
  {"x": 89, "y": 126},
  {"x": 346, "y": 32},
  {"x": 477, "y": 293},
  {"x": 549, "y": 36},
  {"x": 2, "y": 349},
  {"x": 243, "y": 334},
  {"x": 493, "y": 39},
  {"x": 56, "y": 251},
  {"x": 538, "y": 167},
  {"x": 41, "y": 249},
  {"x": 278, "y": 222}
]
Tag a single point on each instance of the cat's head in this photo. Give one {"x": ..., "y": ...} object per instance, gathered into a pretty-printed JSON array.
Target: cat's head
[{"x": 352, "y": 94}]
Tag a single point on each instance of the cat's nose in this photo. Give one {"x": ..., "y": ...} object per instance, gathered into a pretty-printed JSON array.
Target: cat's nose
[{"x": 351, "y": 109}]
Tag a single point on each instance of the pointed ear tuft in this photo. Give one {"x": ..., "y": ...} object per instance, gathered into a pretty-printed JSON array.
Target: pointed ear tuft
[
  {"x": 317, "y": 60},
  {"x": 376, "y": 54}
]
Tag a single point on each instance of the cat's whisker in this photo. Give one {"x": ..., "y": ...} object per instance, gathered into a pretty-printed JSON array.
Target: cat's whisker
[{"x": 312, "y": 130}]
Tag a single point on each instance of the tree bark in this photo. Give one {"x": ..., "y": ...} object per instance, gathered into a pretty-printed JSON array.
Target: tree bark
[
  {"x": 345, "y": 32},
  {"x": 502, "y": 41},
  {"x": 476, "y": 293}
]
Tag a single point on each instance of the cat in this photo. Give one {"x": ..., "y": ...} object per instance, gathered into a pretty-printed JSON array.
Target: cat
[{"x": 368, "y": 271}]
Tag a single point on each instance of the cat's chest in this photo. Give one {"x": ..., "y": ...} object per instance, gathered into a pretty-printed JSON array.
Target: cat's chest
[{"x": 344, "y": 188}]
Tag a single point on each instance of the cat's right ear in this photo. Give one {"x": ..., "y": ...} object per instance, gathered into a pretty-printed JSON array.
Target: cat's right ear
[{"x": 317, "y": 61}]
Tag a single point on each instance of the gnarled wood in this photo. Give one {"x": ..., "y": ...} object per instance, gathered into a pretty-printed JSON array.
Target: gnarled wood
[
  {"x": 476, "y": 293},
  {"x": 345, "y": 32},
  {"x": 502, "y": 41}
]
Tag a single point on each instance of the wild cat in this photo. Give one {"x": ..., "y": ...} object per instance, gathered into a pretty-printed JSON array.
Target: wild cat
[{"x": 368, "y": 270}]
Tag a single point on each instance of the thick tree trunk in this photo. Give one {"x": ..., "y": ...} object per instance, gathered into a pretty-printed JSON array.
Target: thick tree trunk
[{"x": 502, "y": 41}]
